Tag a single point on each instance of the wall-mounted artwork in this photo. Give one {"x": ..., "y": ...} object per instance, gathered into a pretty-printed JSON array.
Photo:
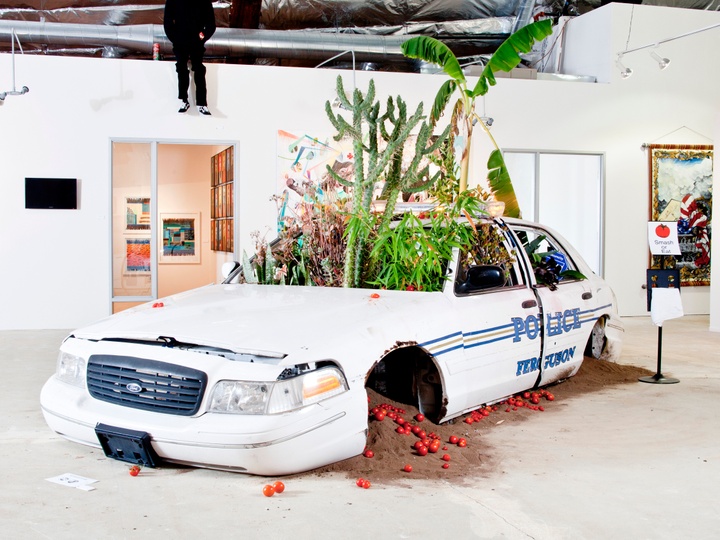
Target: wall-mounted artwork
[
  {"x": 302, "y": 167},
  {"x": 137, "y": 256},
  {"x": 681, "y": 191},
  {"x": 179, "y": 238},
  {"x": 138, "y": 214}
]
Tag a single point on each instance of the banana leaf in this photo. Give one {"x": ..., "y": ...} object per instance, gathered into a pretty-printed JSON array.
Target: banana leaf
[
  {"x": 506, "y": 57},
  {"x": 501, "y": 185}
]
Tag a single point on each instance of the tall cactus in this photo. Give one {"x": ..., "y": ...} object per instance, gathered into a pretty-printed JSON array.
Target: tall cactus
[
  {"x": 413, "y": 179},
  {"x": 371, "y": 164},
  {"x": 363, "y": 109}
]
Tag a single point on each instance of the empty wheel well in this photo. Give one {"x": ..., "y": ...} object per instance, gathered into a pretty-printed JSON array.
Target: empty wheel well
[
  {"x": 597, "y": 342},
  {"x": 409, "y": 375}
]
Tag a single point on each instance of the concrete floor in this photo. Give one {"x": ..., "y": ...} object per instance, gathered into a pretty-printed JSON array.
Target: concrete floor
[{"x": 633, "y": 462}]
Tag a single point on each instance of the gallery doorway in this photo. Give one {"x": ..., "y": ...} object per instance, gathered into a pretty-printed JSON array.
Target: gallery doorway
[{"x": 172, "y": 223}]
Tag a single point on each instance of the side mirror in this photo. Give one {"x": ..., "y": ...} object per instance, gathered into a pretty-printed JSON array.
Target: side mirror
[
  {"x": 481, "y": 277},
  {"x": 228, "y": 269}
]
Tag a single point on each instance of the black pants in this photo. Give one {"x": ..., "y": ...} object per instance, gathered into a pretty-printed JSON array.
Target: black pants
[{"x": 195, "y": 56}]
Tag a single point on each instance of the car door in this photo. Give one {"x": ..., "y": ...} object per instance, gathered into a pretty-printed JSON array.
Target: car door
[
  {"x": 564, "y": 305},
  {"x": 495, "y": 351}
]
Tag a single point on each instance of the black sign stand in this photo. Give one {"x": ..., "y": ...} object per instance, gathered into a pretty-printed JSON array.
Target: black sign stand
[{"x": 667, "y": 279}]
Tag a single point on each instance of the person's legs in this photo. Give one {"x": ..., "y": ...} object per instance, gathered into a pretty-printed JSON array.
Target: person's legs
[
  {"x": 196, "y": 61},
  {"x": 183, "y": 74}
]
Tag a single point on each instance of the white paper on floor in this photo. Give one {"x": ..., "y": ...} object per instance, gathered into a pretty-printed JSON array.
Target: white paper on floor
[{"x": 73, "y": 481}]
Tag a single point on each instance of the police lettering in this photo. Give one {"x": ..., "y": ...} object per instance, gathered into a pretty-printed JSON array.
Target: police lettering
[
  {"x": 558, "y": 322},
  {"x": 530, "y": 326}
]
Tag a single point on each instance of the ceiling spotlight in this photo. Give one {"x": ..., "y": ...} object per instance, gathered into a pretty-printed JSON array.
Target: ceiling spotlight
[
  {"x": 662, "y": 62},
  {"x": 625, "y": 72}
]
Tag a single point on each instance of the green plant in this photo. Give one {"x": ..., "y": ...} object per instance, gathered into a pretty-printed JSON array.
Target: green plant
[
  {"x": 505, "y": 58},
  {"x": 375, "y": 162},
  {"x": 414, "y": 255}
]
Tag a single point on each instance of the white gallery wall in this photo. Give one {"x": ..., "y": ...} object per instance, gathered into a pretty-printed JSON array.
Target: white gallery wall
[{"x": 55, "y": 270}]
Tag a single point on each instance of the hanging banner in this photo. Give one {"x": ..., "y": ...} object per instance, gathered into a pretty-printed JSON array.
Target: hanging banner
[{"x": 663, "y": 238}]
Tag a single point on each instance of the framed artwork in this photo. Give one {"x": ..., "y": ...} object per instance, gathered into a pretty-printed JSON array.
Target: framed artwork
[
  {"x": 138, "y": 214},
  {"x": 222, "y": 201},
  {"x": 137, "y": 256},
  {"x": 179, "y": 238},
  {"x": 681, "y": 191}
]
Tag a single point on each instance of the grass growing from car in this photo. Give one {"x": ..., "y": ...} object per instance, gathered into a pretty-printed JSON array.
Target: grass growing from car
[{"x": 393, "y": 451}]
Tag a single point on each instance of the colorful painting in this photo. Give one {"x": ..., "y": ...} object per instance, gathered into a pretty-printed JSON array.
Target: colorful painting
[
  {"x": 302, "y": 168},
  {"x": 681, "y": 191},
  {"x": 137, "y": 256},
  {"x": 138, "y": 214},
  {"x": 180, "y": 238}
]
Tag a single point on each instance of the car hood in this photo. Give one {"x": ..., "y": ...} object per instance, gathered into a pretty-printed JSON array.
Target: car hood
[{"x": 273, "y": 320}]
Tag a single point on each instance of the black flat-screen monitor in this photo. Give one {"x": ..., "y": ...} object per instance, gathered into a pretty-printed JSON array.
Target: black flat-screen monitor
[{"x": 55, "y": 193}]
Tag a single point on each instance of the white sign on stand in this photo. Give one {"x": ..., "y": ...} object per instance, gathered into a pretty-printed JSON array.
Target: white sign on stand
[{"x": 663, "y": 238}]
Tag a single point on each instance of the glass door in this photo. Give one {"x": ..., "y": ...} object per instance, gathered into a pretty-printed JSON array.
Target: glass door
[{"x": 132, "y": 236}]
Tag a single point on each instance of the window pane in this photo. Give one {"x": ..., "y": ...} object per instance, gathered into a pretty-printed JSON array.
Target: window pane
[
  {"x": 570, "y": 201},
  {"x": 131, "y": 224}
]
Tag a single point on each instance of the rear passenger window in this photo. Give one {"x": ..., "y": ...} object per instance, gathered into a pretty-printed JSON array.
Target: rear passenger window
[
  {"x": 551, "y": 263},
  {"x": 488, "y": 265}
]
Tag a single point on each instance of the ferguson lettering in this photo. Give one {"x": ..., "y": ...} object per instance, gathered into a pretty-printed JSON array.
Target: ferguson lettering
[{"x": 551, "y": 360}]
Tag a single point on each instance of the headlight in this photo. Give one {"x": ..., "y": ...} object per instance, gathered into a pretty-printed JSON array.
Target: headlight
[
  {"x": 242, "y": 397},
  {"x": 71, "y": 369}
]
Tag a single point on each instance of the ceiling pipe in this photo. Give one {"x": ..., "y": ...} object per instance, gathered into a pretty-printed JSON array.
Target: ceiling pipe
[
  {"x": 310, "y": 45},
  {"x": 225, "y": 41}
]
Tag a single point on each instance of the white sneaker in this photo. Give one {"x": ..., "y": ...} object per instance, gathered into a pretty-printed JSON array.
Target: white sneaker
[
  {"x": 184, "y": 106},
  {"x": 202, "y": 109}
]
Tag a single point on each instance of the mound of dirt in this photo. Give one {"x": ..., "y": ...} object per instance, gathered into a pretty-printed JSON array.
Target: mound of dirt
[{"x": 393, "y": 451}]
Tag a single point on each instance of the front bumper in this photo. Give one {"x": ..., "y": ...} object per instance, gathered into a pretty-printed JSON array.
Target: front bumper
[{"x": 268, "y": 445}]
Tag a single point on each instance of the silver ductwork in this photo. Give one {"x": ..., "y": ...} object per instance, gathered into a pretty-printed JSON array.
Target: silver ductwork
[{"x": 310, "y": 45}]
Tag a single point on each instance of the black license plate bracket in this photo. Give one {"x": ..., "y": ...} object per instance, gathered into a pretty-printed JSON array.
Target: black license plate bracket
[{"x": 126, "y": 445}]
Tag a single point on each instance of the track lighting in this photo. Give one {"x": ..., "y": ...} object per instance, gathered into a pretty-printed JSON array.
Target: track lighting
[
  {"x": 625, "y": 72},
  {"x": 662, "y": 62}
]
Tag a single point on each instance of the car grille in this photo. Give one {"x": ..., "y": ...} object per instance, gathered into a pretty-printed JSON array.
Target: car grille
[{"x": 146, "y": 384}]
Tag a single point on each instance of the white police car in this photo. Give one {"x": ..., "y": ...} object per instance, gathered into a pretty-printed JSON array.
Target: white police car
[{"x": 272, "y": 380}]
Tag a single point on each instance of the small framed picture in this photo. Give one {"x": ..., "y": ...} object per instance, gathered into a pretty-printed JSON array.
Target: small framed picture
[{"x": 179, "y": 239}]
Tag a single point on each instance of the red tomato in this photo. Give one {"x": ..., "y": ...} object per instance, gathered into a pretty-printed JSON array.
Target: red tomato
[
  {"x": 416, "y": 430},
  {"x": 423, "y": 450},
  {"x": 366, "y": 484},
  {"x": 400, "y": 430},
  {"x": 446, "y": 466},
  {"x": 418, "y": 444},
  {"x": 369, "y": 453},
  {"x": 407, "y": 468},
  {"x": 453, "y": 439},
  {"x": 379, "y": 416},
  {"x": 268, "y": 490},
  {"x": 462, "y": 443},
  {"x": 419, "y": 417},
  {"x": 446, "y": 457},
  {"x": 468, "y": 420},
  {"x": 360, "y": 482},
  {"x": 550, "y": 397},
  {"x": 279, "y": 487},
  {"x": 400, "y": 420},
  {"x": 134, "y": 470}
]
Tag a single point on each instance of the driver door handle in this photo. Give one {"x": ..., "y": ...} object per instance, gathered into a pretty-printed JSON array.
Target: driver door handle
[
  {"x": 529, "y": 304},
  {"x": 586, "y": 295}
]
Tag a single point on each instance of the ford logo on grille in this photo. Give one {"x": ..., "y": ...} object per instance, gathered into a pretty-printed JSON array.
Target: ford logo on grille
[{"x": 135, "y": 388}]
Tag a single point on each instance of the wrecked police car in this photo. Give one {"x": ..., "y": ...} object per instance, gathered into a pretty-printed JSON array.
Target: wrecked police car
[{"x": 272, "y": 380}]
